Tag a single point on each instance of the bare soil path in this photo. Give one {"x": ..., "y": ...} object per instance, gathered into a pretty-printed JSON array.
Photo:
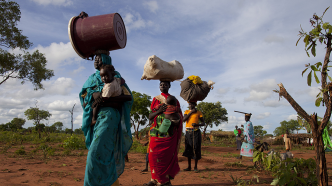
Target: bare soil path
[{"x": 215, "y": 168}]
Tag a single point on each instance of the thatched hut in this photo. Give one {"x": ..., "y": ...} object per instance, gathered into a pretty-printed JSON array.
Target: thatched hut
[{"x": 221, "y": 134}]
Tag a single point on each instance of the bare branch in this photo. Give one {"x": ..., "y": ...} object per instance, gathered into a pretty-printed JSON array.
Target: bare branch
[{"x": 293, "y": 103}]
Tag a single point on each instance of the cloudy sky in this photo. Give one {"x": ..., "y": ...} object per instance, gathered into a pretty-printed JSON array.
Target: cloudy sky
[{"x": 246, "y": 47}]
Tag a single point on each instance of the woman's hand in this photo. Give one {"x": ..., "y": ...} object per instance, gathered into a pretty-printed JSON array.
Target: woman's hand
[
  {"x": 98, "y": 99},
  {"x": 193, "y": 110},
  {"x": 162, "y": 109}
]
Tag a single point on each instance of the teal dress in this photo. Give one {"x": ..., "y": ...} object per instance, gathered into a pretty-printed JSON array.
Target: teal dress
[
  {"x": 110, "y": 139},
  {"x": 247, "y": 149}
]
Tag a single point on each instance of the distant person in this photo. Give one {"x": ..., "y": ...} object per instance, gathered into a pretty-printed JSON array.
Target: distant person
[
  {"x": 247, "y": 148},
  {"x": 237, "y": 133},
  {"x": 288, "y": 144},
  {"x": 193, "y": 137}
]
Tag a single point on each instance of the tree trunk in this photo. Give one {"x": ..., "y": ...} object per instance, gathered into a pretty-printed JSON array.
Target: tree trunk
[
  {"x": 137, "y": 131},
  {"x": 321, "y": 169}
]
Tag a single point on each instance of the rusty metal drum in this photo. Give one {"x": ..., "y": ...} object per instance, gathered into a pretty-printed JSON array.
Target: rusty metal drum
[{"x": 89, "y": 34}]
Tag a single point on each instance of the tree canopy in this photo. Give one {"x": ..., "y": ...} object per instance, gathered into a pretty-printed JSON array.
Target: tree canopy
[
  {"x": 139, "y": 113},
  {"x": 259, "y": 132},
  {"x": 58, "y": 125},
  {"x": 37, "y": 115},
  {"x": 291, "y": 126},
  {"x": 213, "y": 114},
  {"x": 26, "y": 66}
]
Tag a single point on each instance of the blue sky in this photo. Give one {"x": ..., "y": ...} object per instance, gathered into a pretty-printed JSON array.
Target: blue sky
[{"x": 246, "y": 47}]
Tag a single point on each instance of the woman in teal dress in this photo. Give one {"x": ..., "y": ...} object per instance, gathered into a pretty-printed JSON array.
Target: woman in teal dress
[
  {"x": 247, "y": 148},
  {"x": 109, "y": 140}
]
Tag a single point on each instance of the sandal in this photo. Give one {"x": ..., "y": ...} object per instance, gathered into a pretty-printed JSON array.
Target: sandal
[
  {"x": 187, "y": 169},
  {"x": 150, "y": 183},
  {"x": 165, "y": 184}
]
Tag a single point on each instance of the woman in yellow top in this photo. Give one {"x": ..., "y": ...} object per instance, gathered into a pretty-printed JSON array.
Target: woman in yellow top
[{"x": 193, "y": 137}]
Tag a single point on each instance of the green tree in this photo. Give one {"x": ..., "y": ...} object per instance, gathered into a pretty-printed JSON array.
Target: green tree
[
  {"x": 78, "y": 131},
  {"x": 58, "y": 125},
  {"x": 16, "y": 124},
  {"x": 213, "y": 114},
  {"x": 259, "y": 132},
  {"x": 321, "y": 33},
  {"x": 26, "y": 66},
  {"x": 4, "y": 127},
  {"x": 68, "y": 131},
  {"x": 37, "y": 115},
  {"x": 290, "y": 126},
  {"x": 140, "y": 110}
]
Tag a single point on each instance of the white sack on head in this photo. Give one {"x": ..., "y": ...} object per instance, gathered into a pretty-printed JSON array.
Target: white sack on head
[{"x": 156, "y": 68}]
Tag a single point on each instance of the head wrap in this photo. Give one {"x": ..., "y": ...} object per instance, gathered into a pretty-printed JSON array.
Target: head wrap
[{"x": 106, "y": 59}]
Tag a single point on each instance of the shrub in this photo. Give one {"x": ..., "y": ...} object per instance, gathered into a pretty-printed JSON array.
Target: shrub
[
  {"x": 138, "y": 147},
  {"x": 74, "y": 142},
  {"x": 20, "y": 152}
]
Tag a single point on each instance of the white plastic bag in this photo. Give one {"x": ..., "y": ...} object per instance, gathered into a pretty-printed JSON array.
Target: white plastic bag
[{"x": 156, "y": 68}]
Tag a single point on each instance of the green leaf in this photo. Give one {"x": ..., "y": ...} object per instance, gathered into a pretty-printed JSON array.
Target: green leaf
[
  {"x": 309, "y": 78},
  {"x": 330, "y": 78},
  {"x": 298, "y": 41},
  {"x": 306, "y": 40},
  {"x": 316, "y": 78},
  {"x": 318, "y": 101},
  {"x": 313, "y": 50},
  {"x": 318, "y": 64},
  {"x": 304, "y": 71},
  {"x": 313, "y": 68},
  {"x": 275, "y": 181},
  {"x": 307, "y": 53},
  {"x": 326, "y": 25}
]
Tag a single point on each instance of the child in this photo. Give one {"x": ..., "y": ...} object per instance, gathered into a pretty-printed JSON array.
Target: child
[{"x": 112, "y": 87}]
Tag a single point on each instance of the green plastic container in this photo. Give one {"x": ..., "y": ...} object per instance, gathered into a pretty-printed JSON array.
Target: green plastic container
[{"x": 165, "y": 126}]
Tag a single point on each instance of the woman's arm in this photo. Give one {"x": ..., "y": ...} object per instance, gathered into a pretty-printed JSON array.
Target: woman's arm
[
  {"x": 186, "y": 116},
  {"x": 162, "y": 109},
  {"x": 202, "y": 123}
]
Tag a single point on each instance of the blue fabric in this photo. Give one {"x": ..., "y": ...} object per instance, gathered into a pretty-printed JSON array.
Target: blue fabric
[
  {"x": 110, "y": 139},
  {"x": 247, "y": 149}
]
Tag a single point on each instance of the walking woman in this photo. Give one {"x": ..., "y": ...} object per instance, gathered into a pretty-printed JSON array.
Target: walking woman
[
  {"x": 109, "y": 139},
  {"x": 163, "y": 147}
]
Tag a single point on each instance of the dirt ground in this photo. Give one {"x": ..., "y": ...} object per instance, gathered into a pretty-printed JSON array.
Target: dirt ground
[{"x": 214, "y": 169}]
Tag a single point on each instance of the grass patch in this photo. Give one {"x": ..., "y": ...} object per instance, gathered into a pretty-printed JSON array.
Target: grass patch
[
  {"x": 138, "y": 147},
  {"x": 234, "y": 164}
]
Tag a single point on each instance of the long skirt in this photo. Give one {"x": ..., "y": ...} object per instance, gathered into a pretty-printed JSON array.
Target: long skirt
[
  {"x": 191, "y": 144},
  {"x": 238, "y": 143}
]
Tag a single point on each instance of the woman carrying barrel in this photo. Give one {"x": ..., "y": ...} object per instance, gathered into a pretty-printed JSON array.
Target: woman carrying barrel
[{"x": 109, "y": 139}]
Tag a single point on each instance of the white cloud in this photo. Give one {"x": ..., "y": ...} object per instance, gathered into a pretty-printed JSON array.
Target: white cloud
[
  {"x": 273, "y": 39},
  {"x": 313, "y": 91},
  {"x": 59, "y": 105},
  {"x": 263, "y": 115},
  {"x": 293, "y": 116},
  {"x": 135, "y": 22},
  {"x": 78, "y": 70},
  {"x": 257, "y": 96},
  {"x": 229, "y": 101},
  {"x": 275, "y": 103},
  {"x": 222, "y": 90},
  {"x": 242, "y": 90},
  {"x": 54, "y": 2},
  {"x": 78, "y": 120},
  {"x": 266, "y": 85},
  {"x": 152, "y": 6}
]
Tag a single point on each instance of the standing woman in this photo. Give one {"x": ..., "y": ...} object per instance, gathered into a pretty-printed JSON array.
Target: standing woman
[
  {"x": 193, "y": 137},
  {"x": 247, "y": 148},
  {"x": 163, "y": 149},
  {"x": 109, "y": 140}
]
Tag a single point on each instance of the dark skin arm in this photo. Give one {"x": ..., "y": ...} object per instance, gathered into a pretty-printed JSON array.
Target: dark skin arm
[
  {"x": 162, "y": 109},
  {"x": 199, "y": 125},
  {"x": 186, "y": 116}
]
